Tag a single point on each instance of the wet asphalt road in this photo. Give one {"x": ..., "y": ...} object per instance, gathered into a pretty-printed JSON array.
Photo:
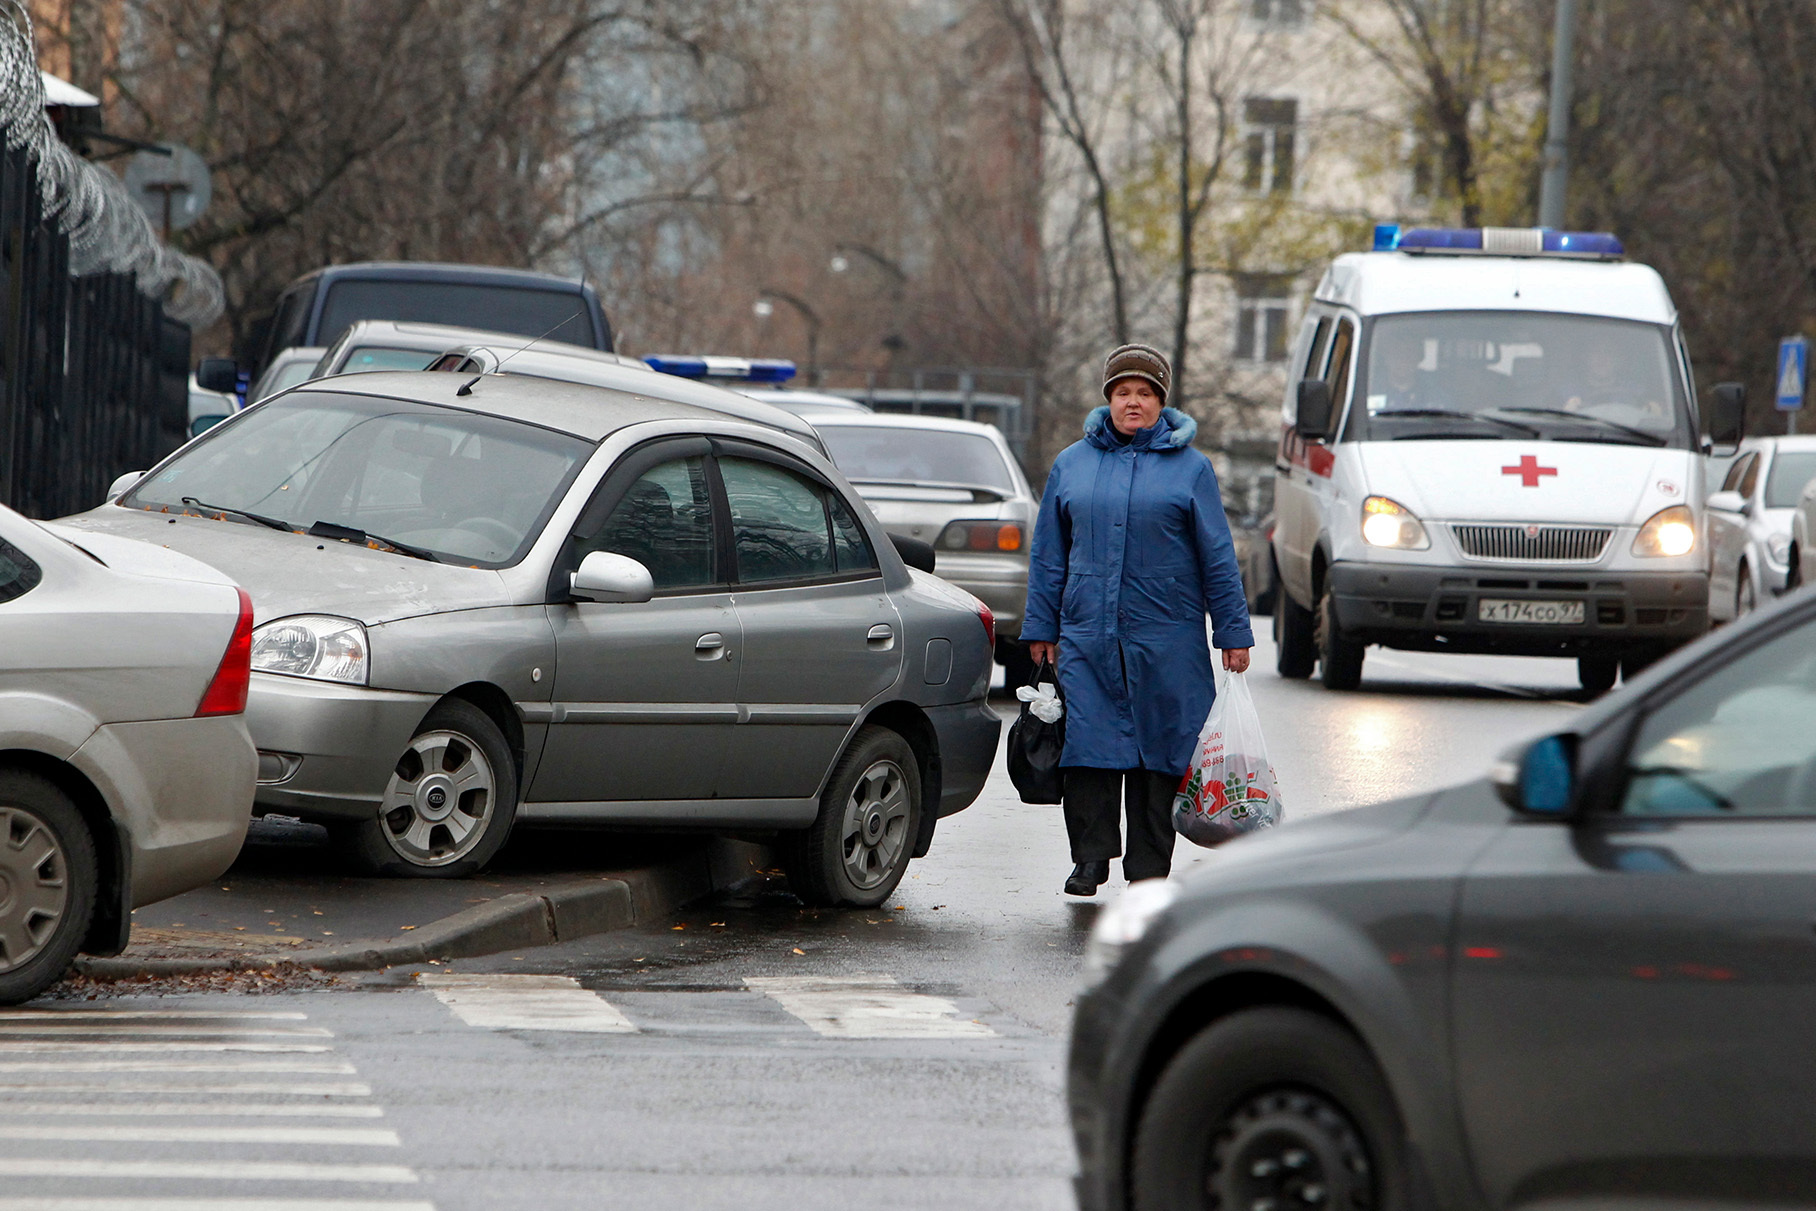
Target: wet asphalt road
[{"x": 750, "y": 1054}]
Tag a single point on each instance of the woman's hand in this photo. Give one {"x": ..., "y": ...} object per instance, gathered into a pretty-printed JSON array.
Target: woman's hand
[
  {"x": 1235, "y": 660},
  {"x": 1044, "y": 653}
]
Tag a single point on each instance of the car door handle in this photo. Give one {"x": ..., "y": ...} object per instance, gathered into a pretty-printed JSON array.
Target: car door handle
[
  {"x": 709, "y": 646},
  {"x": 881, "y": 636}
]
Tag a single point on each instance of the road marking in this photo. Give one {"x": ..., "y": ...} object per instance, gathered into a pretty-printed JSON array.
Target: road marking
[
  {"x": 362, "y": 1137},
  {"x": 207, "y": 1204},
  {"x": 182, "y": 1109},
  {"x": 101, "y": 1030},
  {"x": 312, "y": 1067},
  {"x": 324, "y": 1089},
  {"x": 225, "y": 1171},
  {"x": 115, "y": 1015},
  {"x": 16, "y": 1047},
  {"x": 866, "y": 1007},
  {"x": 526, "y": 1002}
]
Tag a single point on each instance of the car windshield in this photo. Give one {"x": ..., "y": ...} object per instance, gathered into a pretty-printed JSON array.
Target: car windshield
[
  {"x": 1496, "y": 374},
  {"x": 556, "y": 315},
  {"x": 886, "y": 454},
  {"x": 285, "y": 376},
  {"x": 367, "y": 358},
  {"x": 1791, "y": 473},
  {"x": 468, "y": 488}
]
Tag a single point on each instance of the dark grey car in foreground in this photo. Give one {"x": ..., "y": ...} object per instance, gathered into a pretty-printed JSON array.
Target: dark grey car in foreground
[{"x": 1588, "y": 982}]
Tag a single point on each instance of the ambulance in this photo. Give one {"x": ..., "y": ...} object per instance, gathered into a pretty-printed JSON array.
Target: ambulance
[{"x": 1491, "y": 444}]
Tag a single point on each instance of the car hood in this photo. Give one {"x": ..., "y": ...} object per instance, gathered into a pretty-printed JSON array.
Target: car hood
[
  {"x": 1298, "y": 839},
  {"x": 295, "y": 574},
  {"x": 1529, "y": 481}
]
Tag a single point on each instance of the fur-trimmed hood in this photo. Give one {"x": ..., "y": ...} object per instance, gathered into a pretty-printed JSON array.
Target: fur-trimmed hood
[{"x": 1173, "y": 431}]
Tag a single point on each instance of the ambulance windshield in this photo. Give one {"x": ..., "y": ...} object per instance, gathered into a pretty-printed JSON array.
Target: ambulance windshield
[{"x": 1519, "y": 374}]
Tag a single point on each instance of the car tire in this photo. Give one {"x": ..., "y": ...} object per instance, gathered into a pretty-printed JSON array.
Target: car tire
[
  {"x": 459, "y": 752},
  {"x": 1294, "y": 653},
  {"x": 857, "y": 849},
  {"x": 48, "y": 878},
  {"x": 1339, "y": 659},
  {"x": 1018, "y": 666},
  {"x": 1271, "y": 1107},
  {"x": 1596, "y": 674}
]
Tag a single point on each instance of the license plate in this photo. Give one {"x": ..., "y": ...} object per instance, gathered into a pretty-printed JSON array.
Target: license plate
[{"x": 1540, "y": 613}]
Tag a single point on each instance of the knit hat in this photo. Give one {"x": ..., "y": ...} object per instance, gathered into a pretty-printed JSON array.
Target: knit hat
[{"x": 1137, "y": 361}]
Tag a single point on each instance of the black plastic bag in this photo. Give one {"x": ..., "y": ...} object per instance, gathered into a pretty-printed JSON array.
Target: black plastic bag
[{"x": 1035, "y": 747}]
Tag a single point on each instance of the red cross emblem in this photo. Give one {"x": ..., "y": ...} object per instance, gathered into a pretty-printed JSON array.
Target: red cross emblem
[{"x": 1529, "y": 471}]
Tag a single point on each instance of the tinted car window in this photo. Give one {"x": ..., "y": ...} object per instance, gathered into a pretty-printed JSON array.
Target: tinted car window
[
  {"x": 877, "y": 454},
  {"x": 665, "y": 522},
  {"x": 779, "y": 523},
  {"x": 557, "y": 315},
  {"x": 851, "y": 549},
  {"x": 1736, "y": 743},
  {"x": 18, "y": 574},
  {"x": 1791, "y": 471}
]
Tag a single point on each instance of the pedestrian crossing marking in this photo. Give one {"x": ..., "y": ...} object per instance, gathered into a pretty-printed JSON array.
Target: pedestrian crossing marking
[
  {"x": 866, "y": 1007},
  {"x": 226, "y": 1171},
  {"x": 189, "y": 1109},
  {"x": 526, "y": 1002},
  {"x": 358, "y": 1137}
]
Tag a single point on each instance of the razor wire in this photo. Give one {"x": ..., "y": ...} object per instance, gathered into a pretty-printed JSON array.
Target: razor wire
[{"x": 107, "y": 231}]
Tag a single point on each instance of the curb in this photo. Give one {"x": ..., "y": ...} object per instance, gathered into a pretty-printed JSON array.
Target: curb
[{"x": 557, "y": 914}]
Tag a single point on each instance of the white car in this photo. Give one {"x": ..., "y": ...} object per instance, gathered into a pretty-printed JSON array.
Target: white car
[
  {"x": 294, "y": 365},
  {"x": 126, "y": 771},
  {"x": 1750, "y": 523}
]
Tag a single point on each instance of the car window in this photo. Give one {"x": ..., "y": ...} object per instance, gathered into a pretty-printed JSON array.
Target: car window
[
  {"x": 1741, "y": 464},
  {"x": 18, "y": 574},
  {"x": 665, "y": 522},
  {"x": 1750, "y": 480},
  {"x": 1337, "y": 373},
  {"x": 285, "y": 376},
  {"x": 881, "y": 454},
  {"x": 851, "y": 549},
  {"x": 554, "y": 315},
  {"x": 1737, "y": 743},
  {"x": 368, "y": 358},
  {"x": 1791, "y": 472},
  {"x": 779, "y": 523}
]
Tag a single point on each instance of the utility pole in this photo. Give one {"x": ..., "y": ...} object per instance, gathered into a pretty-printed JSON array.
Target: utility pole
[{"x": 1557, "y": 124}]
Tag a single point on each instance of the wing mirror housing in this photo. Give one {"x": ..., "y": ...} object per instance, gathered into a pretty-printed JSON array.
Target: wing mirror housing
[
  {"x": 1314, "y": 409},
  {"x": 220, "y": 374},
  {"x": 914, "y": 552},
  {"x": 1728, "y": 502},
  {"x": 604, "y": 576},
  {"x": 121, "y": 483},
  {"x": 1727, "y": 416},
  {"x": 1539, "y": 779}
]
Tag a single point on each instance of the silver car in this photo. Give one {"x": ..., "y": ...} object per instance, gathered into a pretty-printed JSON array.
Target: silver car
[
  {"x": 126, "y": 773},
  {"x": 1750, "y": 523},
  {"x": 953, "y": 484},
  {"x": 495, "y": 598},
  {"x": 292, "y": 366}
]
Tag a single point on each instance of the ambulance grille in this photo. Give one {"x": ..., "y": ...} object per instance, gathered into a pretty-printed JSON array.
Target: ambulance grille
[{"x": 1534, "y": 544}]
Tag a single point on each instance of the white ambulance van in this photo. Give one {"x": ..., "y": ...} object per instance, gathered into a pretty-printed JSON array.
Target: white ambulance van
[{"x": 1492, "y": 444}]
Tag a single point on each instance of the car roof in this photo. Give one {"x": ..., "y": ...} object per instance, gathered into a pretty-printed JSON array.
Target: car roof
[
  {"x": 443, "y": 271},
  {"x": 1381, "y": 283},
  {"x": 438, "y": 338}
]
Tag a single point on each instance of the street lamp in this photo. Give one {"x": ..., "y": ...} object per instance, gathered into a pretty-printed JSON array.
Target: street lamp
[{"x": 764, "y": 308}]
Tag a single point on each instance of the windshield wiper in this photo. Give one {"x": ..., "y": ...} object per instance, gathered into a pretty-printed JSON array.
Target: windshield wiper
[
  {"x": 329, "y": 529},
  {"x": 1651, "y": 439},
  {"x": 1448, "y": 414},
  {"x": 272, "y": 522}
]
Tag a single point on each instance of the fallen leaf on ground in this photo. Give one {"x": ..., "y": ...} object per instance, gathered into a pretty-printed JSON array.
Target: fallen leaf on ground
[{"x": 799, "y": 951}]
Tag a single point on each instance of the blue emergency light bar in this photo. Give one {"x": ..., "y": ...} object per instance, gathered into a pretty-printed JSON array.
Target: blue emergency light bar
[
  {"x": 747, "y": 369},
  {"x": 1499, "y": 241}
]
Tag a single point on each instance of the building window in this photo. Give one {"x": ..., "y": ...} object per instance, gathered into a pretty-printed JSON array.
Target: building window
[
  {"x": 1268, "y": 151},
  {"x": 1281, "y": 14},
  {"x": 1262, "y": 301}
]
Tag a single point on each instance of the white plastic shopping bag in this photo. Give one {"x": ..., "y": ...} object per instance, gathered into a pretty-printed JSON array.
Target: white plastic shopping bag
[{"x": 1230, "y": 788}]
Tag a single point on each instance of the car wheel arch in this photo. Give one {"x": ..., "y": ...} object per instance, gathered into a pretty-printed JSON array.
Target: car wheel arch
[
  {"x": 107, "y": 932},
  {"x": 499, "y": 707},
  {"x": 910, "y": 722}
]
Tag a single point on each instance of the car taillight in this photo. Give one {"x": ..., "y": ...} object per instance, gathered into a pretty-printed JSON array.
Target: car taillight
[
  {"x": 226, "y": 694},
  {"x": 981, "y": 536},
  {"x": 989, "y": 620}
]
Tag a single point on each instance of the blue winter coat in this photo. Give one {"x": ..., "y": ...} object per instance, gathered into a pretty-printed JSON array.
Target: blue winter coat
[{"x": 1130, "y": 552}]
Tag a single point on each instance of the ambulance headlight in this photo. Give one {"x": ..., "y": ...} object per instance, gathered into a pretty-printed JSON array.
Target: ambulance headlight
[
  {"x": 1386, "y": 523},
  {"x": 1667, "y": 532}
]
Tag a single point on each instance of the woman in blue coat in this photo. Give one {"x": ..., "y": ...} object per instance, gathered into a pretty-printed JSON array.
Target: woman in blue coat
[{"x": 1130, "y": 553}]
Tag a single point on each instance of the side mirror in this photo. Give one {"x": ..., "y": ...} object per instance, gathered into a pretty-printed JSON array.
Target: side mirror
[
  {"x": 203, "y": 424},
  {"x": 914, "y": 552},
  {"x": 1539, "y": 780},
  {"x": 118, "y": 487},
  {"x": 604, "y": 576},
  {"x": 220, "y": 374},
  {"x": 1728, "y": 502},
  {"x": 1727, "y": 414},
  {"x": 1314, "y": 409}
]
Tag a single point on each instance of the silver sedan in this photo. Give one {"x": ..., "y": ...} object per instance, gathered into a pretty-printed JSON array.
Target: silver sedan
[
  {"x": 495, "y": 598},
  {"x": 126, "y": 773}
]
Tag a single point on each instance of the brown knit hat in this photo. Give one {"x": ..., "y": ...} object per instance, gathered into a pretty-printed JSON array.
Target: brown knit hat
[{"x": 1137, "y": 361}]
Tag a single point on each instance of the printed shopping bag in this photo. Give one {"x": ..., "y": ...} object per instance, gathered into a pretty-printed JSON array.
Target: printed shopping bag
[
  {"x": 1036, "y": 739},
  {"x": 1230, "y": 788}
]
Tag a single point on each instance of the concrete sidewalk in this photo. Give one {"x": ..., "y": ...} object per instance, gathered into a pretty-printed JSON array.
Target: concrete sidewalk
[{"x": 286, "y": 902}]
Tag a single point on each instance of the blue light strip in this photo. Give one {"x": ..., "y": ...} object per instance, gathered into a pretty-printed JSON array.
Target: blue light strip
[{"x": 743, "y": 369}]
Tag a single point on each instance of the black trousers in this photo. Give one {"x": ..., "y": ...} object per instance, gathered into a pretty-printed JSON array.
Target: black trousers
[{"x": 1091, "y": 797}]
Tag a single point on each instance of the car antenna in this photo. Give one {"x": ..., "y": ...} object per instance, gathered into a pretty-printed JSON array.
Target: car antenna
[{"x": 466, "y": 388}]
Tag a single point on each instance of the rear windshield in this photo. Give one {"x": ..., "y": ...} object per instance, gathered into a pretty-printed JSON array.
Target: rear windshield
[
  {"x": 1521, "y": 375},
  {"x": 559, "y": 315},
  {"x": 927, "y": 457},
  {"x": 376, "y": 357},
  {"x": 1791, "y": 472}
]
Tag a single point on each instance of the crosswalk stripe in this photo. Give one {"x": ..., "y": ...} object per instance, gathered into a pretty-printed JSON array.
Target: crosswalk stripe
[
  {"x": 311, "y": 1067},
  {"x": 866, "y": 1007},
  {"x": 208, "y": 1204},
  {"x": 103, "y": 1031},
  {"x": 526, "y": 1002},
  {"x": 178, "y": 1015},
  {"x": 189, "y": 1109},
  {"x": 16, "y": 1047},
  {"x": 226, "y": 1171},
  {"x": 364, "y": 1137},
  {"x": 258, "y": 1088}
]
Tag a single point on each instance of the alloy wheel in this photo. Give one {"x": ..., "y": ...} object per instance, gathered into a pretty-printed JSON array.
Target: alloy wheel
[
  {"x": 439, "y": 799},
  {"x": 34, "y": 886},
  {"x": 1286, "y": 1149},
  {"x": 875, "y": 827}
]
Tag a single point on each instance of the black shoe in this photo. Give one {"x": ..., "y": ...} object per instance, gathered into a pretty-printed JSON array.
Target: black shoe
[{"x": 1087, "y": 877}]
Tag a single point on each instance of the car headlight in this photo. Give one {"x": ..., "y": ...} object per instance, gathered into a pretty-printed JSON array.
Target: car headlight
[
  {"x": 1122, "y": 923},
  {"x": 1669, "y": 531},
  {"x": 1387, "y": 523},
  {"x": 312, "y": 645},
  {"x": 1778, "y": 548}
]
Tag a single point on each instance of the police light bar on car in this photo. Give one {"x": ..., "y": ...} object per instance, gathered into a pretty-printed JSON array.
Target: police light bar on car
[
  {"x": 747, "y": 369},
  {"x": 1499, "y": 241}
]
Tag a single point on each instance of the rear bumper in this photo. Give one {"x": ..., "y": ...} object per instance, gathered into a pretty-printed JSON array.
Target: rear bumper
[
  {"x": 326, "y": 750},
  {"x": 968, "y": 734},
  {"x": 1436, "y": 609},
  {"x": 999, "y": 581}
]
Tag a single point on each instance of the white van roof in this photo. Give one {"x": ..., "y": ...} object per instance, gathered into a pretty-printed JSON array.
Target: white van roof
[{"x": 1381, "y": 283}]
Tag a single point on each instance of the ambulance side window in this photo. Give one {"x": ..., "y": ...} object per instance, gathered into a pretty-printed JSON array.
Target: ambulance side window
[
  {"x": 1314, "y": 363},
  {"x": 1337, "y": 373}
]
